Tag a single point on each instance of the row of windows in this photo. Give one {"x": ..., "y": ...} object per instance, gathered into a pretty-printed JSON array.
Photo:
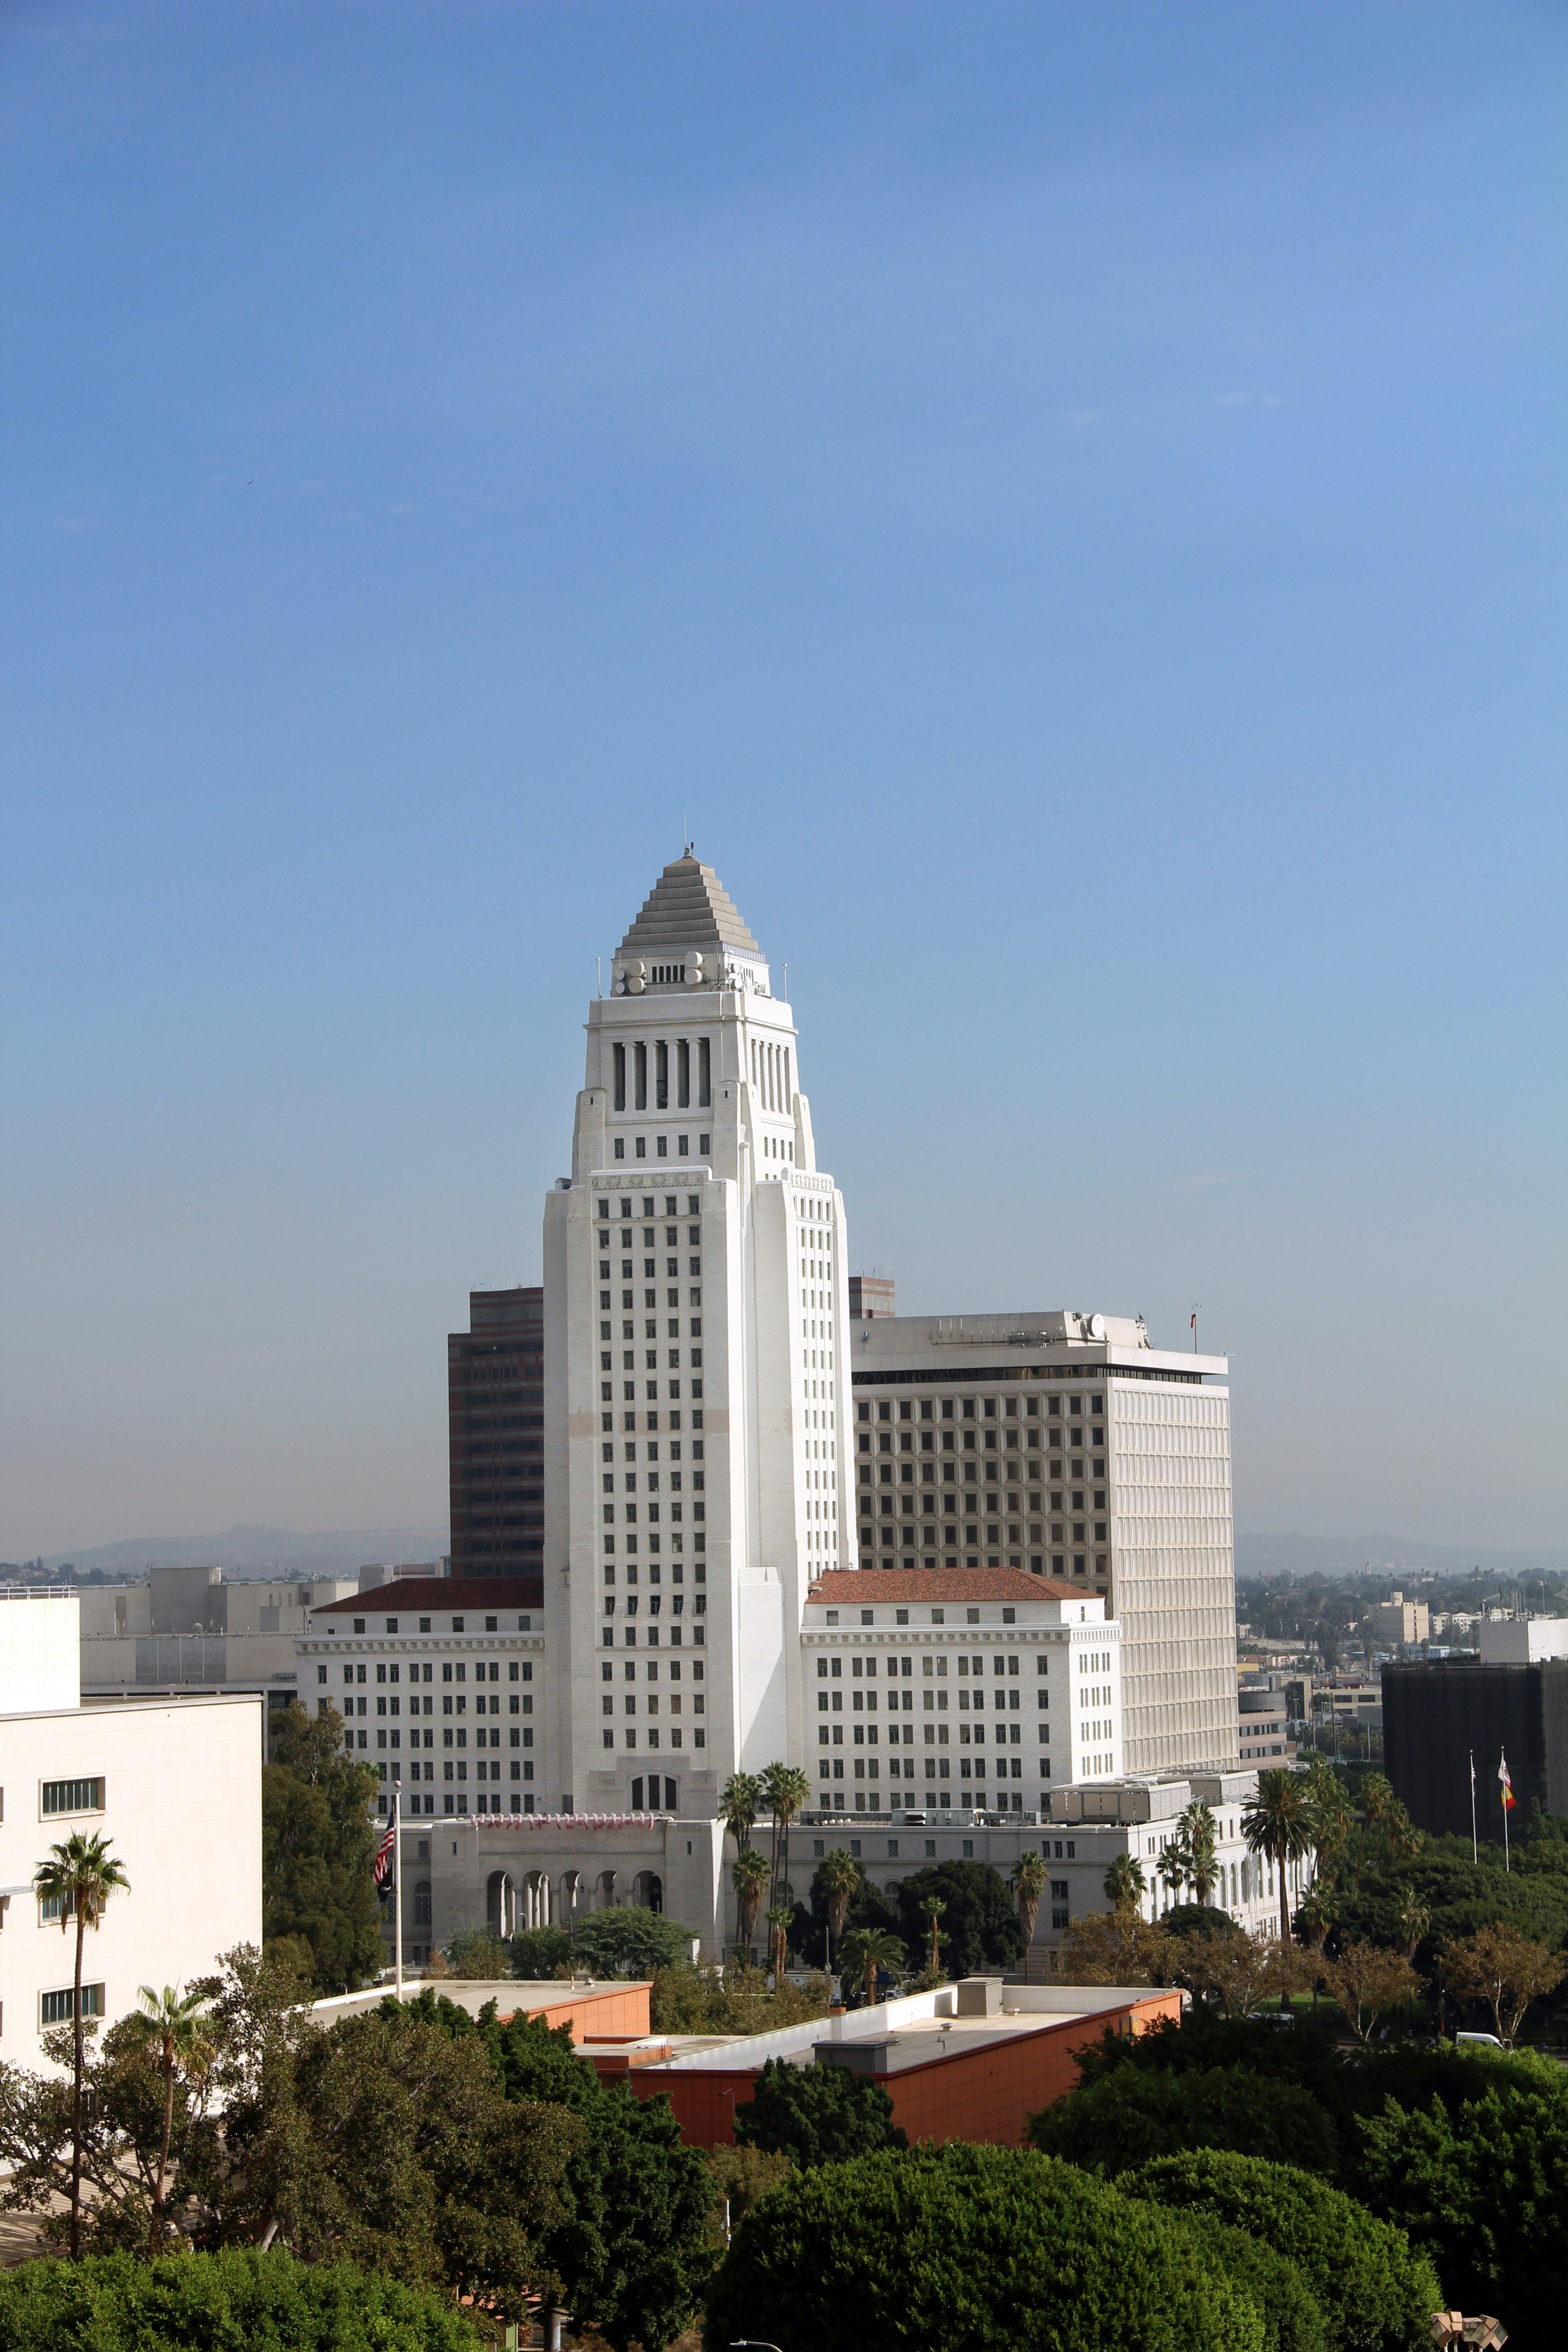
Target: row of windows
[
  {"x": 661, "y": 1074},
  {"x": 832, "y": 1701},
  {"x": 863, "y": 1663},
  {"x": 771, "y": 1075},
  {"x": 969, "y": 1735},
  {"x": 448, "y": 1706},
  {"x": 425, "y": 1625},
  {"x": 986, "y": 1409},
  {"x": 71, "y": 1797},
  {"x": 518, "y": 1670},
  {"x": 661, "y": 1146}
]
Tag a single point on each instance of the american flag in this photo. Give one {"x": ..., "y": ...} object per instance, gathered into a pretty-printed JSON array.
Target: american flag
[{"x": 383, "y": 1855}]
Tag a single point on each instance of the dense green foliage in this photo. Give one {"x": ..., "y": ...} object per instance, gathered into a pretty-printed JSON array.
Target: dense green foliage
[
  {"x": 971, "y": 2248},
  {"x": 980, "y": 1925},
  {"x": 110, "y": 2302},
  {"x": 629, "y": 2232},
  {"x": 1291, "y": 2315},
  {"x": 1132, "y": 2113},
  {"x": 318, "y": 1845},
  {"x": 868, "y": 1907},
  {"x": 1483, "y": 2185},
  {"x": 536, "y": 1952},
  {"x": 478, "y": 1954},
  {"x": 1376, "y": 2294},
  {"x": 816, "y": 2114},
  {"x": 629, "y": 1942}
]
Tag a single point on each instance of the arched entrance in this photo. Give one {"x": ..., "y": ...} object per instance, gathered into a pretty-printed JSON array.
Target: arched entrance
[{"x": 500, "y": 1905}]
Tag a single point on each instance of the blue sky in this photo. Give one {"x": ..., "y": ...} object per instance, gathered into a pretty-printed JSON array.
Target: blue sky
[{"x": 1064, "y": 503}]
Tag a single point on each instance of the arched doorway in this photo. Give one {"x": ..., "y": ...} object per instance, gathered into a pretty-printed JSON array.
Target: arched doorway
[
  {"x": 647, "y": 1888},
  {"x": 500, "y": 1905}
]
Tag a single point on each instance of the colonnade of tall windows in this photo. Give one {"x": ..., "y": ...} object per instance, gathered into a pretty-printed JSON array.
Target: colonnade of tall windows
[
  {"x": 771, "y": 1075},
  {"x": 638, "y": 1074}
]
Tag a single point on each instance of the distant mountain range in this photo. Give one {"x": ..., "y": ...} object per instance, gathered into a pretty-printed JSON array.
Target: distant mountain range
[
  {"x": 1349, "y": 1555},
  {"x": 255, "y": 1550}
]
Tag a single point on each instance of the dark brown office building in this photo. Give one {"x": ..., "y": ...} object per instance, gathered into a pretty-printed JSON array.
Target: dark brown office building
[
  {"x": 871, "y": 1294},
  {"x": 495, "y": 1398},
  {"x": 1436, "y": 1717}
]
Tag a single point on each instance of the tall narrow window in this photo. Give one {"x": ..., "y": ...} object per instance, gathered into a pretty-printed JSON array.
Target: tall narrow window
[
  {"x": 704, "y": 1076},
  {"x": 754, "y": 1062},
  {"x": 683, "y": 1076},
  {"x": 639, "y": 1053},
  {"x": 789, "y": 1082},
  {"x": 620, "y": 1077},
  {"x": 661, "y": 1076}
]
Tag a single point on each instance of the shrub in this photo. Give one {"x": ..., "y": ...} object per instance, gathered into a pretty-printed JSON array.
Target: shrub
[
  {"x": 630, "y": 1943},
  {"x": 685, "y": 1999},
  {"x": 1375, "y": 2294},
  {"x": 818, "y": 2114},
  {"x": 477, "y": 1955},
  {"x": 969, "y": 2247},
  {"x": 1291, "y": 2315},
  {"x": 116, "y": 2303},
  {"x": 538, "y": 1952},
  {"x": 1130, "y": 2115}
]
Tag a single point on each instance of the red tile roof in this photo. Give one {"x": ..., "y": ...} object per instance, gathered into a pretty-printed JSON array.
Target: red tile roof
[
  {"x": 868, "y": 1585},
  {"x": 411, "y": 1593}
]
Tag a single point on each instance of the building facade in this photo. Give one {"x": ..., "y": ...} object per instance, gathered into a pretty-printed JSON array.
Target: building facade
[
  {"x": 495, "y": 1404},
  {"x": 695, "y": 1317},
  {"x": 1066, "y": 1446},
  {"x": 1442, "y": 1717},
  {"x": 174, "y": 1784}
]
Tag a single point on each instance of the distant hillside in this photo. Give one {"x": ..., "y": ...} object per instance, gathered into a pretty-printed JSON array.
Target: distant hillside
[
  {"x": 255, "y": 1550},
  {"x": 1336, "y": 1556}
]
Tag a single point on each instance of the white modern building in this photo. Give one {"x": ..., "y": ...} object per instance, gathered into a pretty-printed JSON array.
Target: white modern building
[
  {"x": 174, "y": 1784},
  {"x": 1067, "y": 1445}
]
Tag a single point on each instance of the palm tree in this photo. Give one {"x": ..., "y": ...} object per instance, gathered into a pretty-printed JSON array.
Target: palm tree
[
  {"x": 1200, "y": 1847},
  {"x": 779, "y": 1919},
  {"x": 865, "y": 1950},
  {"x": 933, "y": 1907},
  {"x": 1028, "y": 1883},
  {"x": 176, "y": 2026},
  {"x": 1412, "y": 1919},
  {"x": 1280, "y": 1821},
  {"x": 1125, "y": 1884},
  {"x": 749, "y": 1873},
  {"x": 785, "y": 1789},
  {"x": 840, "y": 1876},
  {"x": 740, "y": 1803},
  {"x": 79, "y": 1875},
  {"x": 1172, "y": 1866}
]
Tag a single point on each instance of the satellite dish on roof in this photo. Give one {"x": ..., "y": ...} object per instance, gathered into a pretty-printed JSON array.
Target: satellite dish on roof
[{"x": 1097, "y": 1326}]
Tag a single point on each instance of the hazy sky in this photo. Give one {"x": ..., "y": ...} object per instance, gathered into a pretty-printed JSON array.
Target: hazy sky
[{"x": 1066, "y": 503}]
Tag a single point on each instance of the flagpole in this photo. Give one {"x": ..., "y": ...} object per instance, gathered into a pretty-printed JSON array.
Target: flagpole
[
  {"x": 397, "y": 1883},
  {"x": 1507, "y": 1793},
  {"x": 1475, "y": 1849}
]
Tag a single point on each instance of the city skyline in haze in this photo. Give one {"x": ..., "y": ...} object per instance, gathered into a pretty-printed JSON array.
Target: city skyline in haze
[{"x": 1064, "y": 510}]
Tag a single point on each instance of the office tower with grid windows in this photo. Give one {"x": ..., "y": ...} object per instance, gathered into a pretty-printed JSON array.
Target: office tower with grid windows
[
  {"x": 495, "y": 1404},
  {"x": 1067, "y": 1447},
  {"x": 696, "y": 1311}
]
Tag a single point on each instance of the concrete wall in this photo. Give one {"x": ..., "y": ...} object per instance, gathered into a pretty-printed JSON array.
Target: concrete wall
[
  {"x": 182, "y": 1806},
  {"x": 39, "y": 1650}
]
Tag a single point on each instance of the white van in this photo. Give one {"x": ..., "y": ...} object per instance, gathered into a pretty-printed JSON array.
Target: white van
[{"x": 1489, "y": 2041}]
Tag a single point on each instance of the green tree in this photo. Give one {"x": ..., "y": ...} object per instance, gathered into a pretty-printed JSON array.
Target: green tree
[
  {"x": 536, "y": 1953},
  {"x": 1125, "y": 1884},
  {"x": 816, "y": 2114},
  {"x": 866, "y": 1952},
  {"x": 1376, "y": 2294},
  {"x": 1483, "y": 2186},
  {"x": 173, "y": 2028},
  {"x": 785, "y": 1789},
  {"x": 78, "y": 1879},
  {"x": 477, "y": 1955},
  {"x": 1028, "y": 1883},
  {"x": 749, "y": 1874},
  {"x": 1127, "y": 2116},
  {"x": 687, "y": 1999},
  {"x": 1200, "y": 1844},
  {"x": 779, "y": 1918},
  {"x": 838, "y": 1878},
  {"x": 631, "y": 1943},
  {"x": 1291, "y": 2315},
  {"x": 983, "y": 1929},
  {"x": 967, "y": 2246},
  {"x": 934, "y": 1909},
  {"x": 318, "y": 1850},
  {"x": 1279, "y": 1822},
  {"x": 193, "y": 2303},
  {"x": 1365, "y": 1981},
  {"x": 740, "y": 1803}
]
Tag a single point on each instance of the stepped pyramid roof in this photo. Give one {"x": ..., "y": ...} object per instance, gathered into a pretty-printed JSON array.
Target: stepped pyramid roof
[{"x": 688, "y": 907}]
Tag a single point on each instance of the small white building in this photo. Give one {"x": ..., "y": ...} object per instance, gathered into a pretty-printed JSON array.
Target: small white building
[{"x": 174, "y": 1784}]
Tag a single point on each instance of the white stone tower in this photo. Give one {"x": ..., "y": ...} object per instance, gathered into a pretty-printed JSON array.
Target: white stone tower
[{"x": 695, "y": 1372}]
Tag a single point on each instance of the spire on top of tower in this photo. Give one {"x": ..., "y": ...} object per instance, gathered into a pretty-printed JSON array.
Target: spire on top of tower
[{"x": 688, "y": 907}]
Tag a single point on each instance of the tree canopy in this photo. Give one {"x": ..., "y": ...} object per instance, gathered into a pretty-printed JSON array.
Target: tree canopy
[
  {"x": 1130, "y": 2115},
  {"x": 816, "y": 2114},
  {"x": 318, "y": 1850},
  {"x": 194, "y": 2303},
  {"x": 970, "y": 2248},
  {"x": 980, "y": 1925}
]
